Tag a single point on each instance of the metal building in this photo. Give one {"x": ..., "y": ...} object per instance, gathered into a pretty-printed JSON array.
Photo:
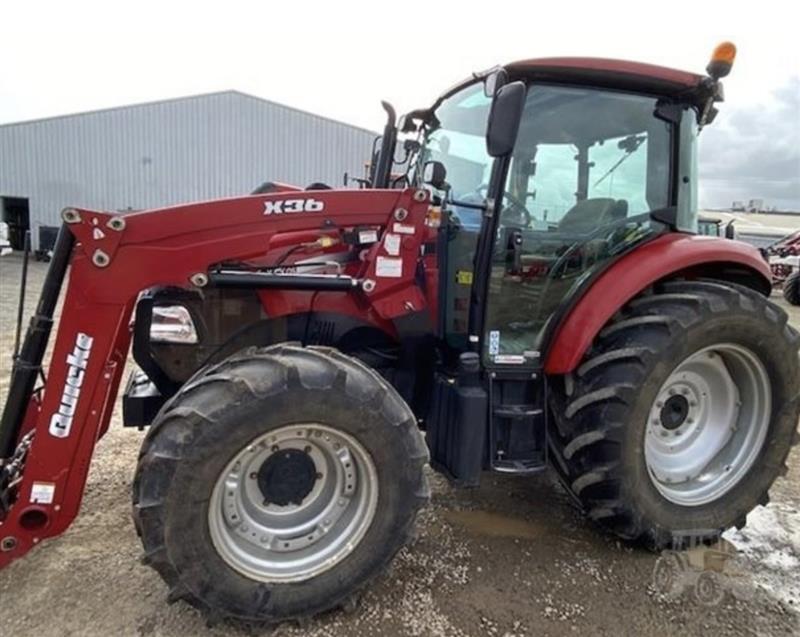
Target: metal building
[{"x": 167, "y": 152}]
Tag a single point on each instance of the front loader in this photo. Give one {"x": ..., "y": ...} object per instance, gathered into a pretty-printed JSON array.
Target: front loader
[{"x": 527, "y": 291}]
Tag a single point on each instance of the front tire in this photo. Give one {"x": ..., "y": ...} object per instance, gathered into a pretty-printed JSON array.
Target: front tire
[
  {"x": 278, "y": 483},
  {"x": 607, "y": 412}
]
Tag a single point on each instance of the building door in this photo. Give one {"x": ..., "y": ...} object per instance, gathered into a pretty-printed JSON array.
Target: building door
[{"x": 16, "y": 213}]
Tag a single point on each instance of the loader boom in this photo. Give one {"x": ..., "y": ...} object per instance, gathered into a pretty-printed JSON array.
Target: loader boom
[{"x": 113, "y": 259}]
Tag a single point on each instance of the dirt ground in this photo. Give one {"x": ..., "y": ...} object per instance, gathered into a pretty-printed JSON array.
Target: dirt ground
[{"x": 510, "y": 558}]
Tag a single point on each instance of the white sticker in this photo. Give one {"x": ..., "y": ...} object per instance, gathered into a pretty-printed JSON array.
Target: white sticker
[
  {"x": 391, "y": 243},
  {"x": 509, "y": 359},
  {"x": 43, "y": 492},
  {"x": 388, "y": 267},
  {"x": 368, "y": 236},
  {"x": 494, "y": 342},
  {"x": 403, "y": 228}
]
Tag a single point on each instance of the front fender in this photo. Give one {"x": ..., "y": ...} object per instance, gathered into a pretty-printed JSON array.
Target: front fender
[{"x": 666, "y": 256}]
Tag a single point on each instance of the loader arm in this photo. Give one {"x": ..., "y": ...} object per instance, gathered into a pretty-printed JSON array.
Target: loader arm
[{"x": 51, "y": 434}]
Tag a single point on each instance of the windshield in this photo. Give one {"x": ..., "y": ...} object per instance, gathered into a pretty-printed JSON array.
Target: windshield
[{"x": 457, "y": 140}]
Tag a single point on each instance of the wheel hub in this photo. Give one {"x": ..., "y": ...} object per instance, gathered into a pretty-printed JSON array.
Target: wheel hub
[
  {"x": 674, "y": 412},
  {"x": 287, "y": 477},
  {"x": 708, "y": 424},
  {"x": 293, "y": 503}
]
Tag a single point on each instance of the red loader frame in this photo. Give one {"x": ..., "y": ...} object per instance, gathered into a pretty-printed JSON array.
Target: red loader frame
[{"x": 114, "y": 260}]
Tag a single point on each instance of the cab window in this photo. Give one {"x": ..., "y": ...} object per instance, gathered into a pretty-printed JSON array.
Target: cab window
[{"x": 588, "y": 167}]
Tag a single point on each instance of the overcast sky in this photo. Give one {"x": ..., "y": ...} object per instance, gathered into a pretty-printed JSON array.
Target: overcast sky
[{"x": 340, "y": 58}]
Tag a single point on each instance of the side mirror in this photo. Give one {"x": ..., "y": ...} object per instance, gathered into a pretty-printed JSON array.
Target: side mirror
[
  {"x": 504, "y": 119},
  {"x": 494, "y": 82},
  {"x": 434, "y": 174}
]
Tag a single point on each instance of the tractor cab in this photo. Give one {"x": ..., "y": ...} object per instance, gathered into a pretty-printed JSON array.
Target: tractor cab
[
  {"x": 548, "y": 171},
  {"x": 594, "y": 171}
]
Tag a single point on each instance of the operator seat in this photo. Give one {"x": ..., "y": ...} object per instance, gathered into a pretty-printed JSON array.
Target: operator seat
[{"x": 588, "y": 214}]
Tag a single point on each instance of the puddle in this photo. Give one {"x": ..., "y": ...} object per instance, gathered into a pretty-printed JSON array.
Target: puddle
[{"x": 495, "y": 524}]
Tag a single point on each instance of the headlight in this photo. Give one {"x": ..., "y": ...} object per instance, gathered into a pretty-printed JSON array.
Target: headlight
[{"x": 172, "y": 324}]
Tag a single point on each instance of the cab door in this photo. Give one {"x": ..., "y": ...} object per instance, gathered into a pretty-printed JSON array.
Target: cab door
[{"x": 588, "y": 167}]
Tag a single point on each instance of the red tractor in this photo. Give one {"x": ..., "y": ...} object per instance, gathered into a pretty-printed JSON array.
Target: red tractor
[{"x": 527, "y": 289}]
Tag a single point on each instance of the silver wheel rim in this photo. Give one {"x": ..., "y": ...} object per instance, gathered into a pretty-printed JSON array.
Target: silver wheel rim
[
  {"x": 294, "y": 542},
  {"x": 708, "y": 424}
]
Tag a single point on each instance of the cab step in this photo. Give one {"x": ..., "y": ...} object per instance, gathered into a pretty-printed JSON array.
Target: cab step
[
  {"x": 517, "y": 412},
  {"x": 534, "y": 464}
]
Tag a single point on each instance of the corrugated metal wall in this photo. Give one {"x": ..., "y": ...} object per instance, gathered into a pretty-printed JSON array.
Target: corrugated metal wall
[{"x": 163, "y": 153}]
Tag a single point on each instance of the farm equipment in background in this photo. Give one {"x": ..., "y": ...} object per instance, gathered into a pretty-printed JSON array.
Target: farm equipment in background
[
  {"x": 47, "y": 243},
  {"x": 784, "y": 261},
  {"x": 5, "y": 244},
  {"x": 530, "y": 292},
  {"x": 712, "y": 227}
]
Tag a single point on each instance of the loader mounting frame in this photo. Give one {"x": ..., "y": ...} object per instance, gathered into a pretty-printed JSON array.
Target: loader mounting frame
[{"x": 111, "y": 259}]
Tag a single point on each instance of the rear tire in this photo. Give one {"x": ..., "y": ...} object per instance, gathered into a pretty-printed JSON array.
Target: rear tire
[
  {"x": 791, "y": 288},
  {"x": 228, "y": 410},
  {"x": 604, "y": 410}
]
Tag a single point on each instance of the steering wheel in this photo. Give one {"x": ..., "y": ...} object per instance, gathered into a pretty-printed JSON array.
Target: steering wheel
[
  {"x": 517, "y": 208},
  {"x": 593, "y": 235}
]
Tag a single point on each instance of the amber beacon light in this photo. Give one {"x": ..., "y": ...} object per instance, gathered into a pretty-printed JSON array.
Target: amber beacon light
[{"x": 722, "y": 60}]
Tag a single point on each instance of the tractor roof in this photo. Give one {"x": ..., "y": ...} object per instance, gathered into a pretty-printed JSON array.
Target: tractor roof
[{"x": 606, "y": 72}]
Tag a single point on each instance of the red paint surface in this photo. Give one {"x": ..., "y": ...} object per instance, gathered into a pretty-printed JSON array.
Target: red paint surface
[{"x": 647, "y": 73}]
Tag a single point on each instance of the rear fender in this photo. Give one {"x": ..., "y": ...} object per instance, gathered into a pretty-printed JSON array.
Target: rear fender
[{"x": 668, "y": 256}]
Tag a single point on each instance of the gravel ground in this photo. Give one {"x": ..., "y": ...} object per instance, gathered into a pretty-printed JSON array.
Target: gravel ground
[{"x": 511, "y": 558}]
